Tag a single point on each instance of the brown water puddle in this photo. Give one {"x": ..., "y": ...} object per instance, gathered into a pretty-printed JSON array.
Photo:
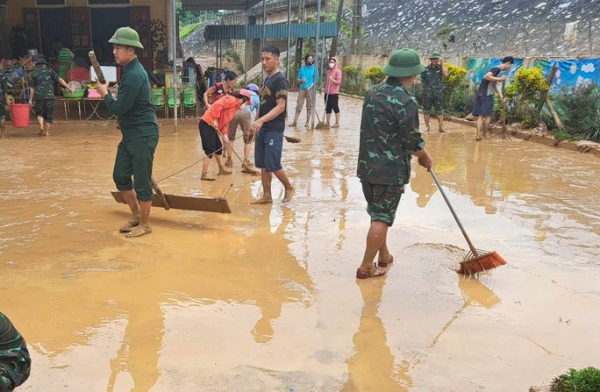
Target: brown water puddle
[{"x": 265, "y": 299}]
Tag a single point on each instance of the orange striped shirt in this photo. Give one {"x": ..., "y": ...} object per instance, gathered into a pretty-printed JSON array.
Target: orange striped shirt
[{"x": 220, "y": 113}]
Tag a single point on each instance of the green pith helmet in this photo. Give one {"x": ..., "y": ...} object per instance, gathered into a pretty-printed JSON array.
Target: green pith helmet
[
  {"x": 404, "y": 63},
  {"x": 41, "y": 60},
  {"x": 435, "y": 55},
  {"x": 126, "y": 36}
]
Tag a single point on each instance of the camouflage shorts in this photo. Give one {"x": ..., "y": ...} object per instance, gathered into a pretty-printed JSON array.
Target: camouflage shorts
[
  {"x": 433, "y": 103},
  {"x": 382, "y": 201},
  {"x": 15, "y": 365},
  {"x": 44, "y": 108}
]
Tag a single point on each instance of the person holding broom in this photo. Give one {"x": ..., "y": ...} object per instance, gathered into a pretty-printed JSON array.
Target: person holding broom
[
  {"x": 389, "y": 136},
  {"x": 215, "y": 122},
  {"x": 15, "y": 362},
  {"x": 139, "y": 127}
]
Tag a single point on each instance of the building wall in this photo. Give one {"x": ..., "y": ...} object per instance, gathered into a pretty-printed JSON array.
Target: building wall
[{"x": 158, "y": 12}]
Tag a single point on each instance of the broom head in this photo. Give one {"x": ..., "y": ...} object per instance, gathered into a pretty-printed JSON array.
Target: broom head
[
  {"x": 483, "y": 261},
  {"x": 322, "y": 125}
]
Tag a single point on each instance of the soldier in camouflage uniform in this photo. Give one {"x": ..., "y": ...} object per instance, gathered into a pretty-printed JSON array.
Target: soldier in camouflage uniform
[
  {"x": 15, "y": 362},
  {"x": 389, "y": 136},
  {"x": 432, "y": 80},
  {"x": 42, "y": 92},
  {"x": 3, "y": 102}
]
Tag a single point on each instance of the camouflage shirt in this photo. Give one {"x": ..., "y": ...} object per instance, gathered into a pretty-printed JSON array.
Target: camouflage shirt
[
  {"x": 433, "y": 79},
  {"x": 42, "y": 80},
  {"x": 389, "y": 134},
  {"x": 3, "y": 85}
]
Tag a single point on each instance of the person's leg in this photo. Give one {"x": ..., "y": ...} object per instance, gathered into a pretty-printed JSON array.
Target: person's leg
[
  {"x": 143, "y": 157},
  {"x": 335, "y": 106},
  {"x": 439, "y": 110},
  {"x": 2, "y": 126},
  {"x": 122, "y": 173},
  {"x": 48, "y": 115},
  {"x": 426, "y": 111},
  {"x": 207, "y": 138},
  {"x": 273, "y": 151},
  {"x": 309, "y": 106},
  {"x": 299, "y": 104},
  {"x": 382, "y": 201},
  {"x": 479, "y": 125},
  {"x": 486, "y": 125},
  {"x": 222, "y": 170},
  {"x": 259, "y": 162},
  {"x": 246, "y": 125},
  {"x": 328, "y": 108}
]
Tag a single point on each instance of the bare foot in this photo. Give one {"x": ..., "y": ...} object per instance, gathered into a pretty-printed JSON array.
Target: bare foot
[
  {"x": 229, "y": 162},
  {"x": 289, "y": 195},
  {"x": 41, "y": 132},
  {"x": 262, "y": 200},
  {"x": 47, "y": 133},
  {"x": 205, "y": 177},
  {"x": 384, "y": 263},
  {"x": 223, "y": 171},
  {"x": 293, "y": 124},
  {"x": 336, "y": 125}
]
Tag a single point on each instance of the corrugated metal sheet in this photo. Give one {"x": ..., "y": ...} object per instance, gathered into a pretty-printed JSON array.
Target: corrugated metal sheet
[
  {"x": 279, "y": 31},
  {"x": 214, "y": 5}
]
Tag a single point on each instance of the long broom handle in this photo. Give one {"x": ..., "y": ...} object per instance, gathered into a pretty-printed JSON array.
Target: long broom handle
[{"x": 453, "y": 213}]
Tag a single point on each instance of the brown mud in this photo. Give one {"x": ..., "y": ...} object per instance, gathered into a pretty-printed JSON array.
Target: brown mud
[{"x": 265, "y": 299}]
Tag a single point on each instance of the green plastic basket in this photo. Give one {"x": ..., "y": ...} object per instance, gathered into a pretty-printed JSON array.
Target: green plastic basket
[{"x": 74, "y": 94}]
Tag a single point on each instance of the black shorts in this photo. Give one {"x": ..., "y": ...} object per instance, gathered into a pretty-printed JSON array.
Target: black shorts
[
  {"x": 209, "y": 136},
  {"x": 331, "y": 101},
  {"x": 484, "y": 106}
]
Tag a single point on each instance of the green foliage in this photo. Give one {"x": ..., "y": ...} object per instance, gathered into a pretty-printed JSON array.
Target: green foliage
[
  {"x": 454, "y": 82},
  {"x": 461, "y": 103},
  {"x": 523, "y": 95},
  {"x": 583, "y": 380},
  {"x": 188, "y": 29},
  {"x": 374, "y": 74},
  {"x": 353, "y": 81},
  {"x": 580, "y": 111}
]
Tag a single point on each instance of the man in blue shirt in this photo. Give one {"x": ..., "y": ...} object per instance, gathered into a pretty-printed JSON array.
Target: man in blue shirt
[
  {"x": 243, "y": 119},
  {"x": 307, "y": 79}
]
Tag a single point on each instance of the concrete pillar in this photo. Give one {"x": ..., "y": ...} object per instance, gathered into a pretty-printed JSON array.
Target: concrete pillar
[{"x": 169, "y": 19}]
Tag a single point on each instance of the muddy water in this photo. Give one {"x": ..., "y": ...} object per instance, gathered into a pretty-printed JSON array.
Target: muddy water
[{"x": 265, "y": 299}]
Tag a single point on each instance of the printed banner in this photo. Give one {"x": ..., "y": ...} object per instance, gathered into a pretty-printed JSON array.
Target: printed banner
[
  {"x": 478, "y": 68},
  {"x": 571, "y": 72}
]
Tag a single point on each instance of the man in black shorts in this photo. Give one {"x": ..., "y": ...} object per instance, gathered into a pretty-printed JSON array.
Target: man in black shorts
[
  {"x": 270, "y": 124},
  {"x": 484, "y": 100}
]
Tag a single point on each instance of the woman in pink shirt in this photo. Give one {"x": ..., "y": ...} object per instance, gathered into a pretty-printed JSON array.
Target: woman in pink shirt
[{"x": 333, "y": 80}]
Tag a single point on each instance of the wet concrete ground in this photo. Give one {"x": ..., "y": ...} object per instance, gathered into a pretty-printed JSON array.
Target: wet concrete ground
[{"x": 265, "y": 299}]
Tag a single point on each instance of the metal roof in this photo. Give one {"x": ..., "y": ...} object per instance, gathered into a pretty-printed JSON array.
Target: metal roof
[
  {"x": 274, "y": 31},
  {"x": 215, "y": 5}
]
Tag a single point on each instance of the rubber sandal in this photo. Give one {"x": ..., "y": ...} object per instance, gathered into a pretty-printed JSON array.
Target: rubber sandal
[
  {"x": 206, "y": 178},
  {"x": 384, "y": 264},
  {"x": 139, "y": 231},
  {"x": 373, "y": 273}
]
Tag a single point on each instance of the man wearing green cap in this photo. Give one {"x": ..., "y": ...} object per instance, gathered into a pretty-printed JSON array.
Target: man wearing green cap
[
  {"x": 432, "y": 80},
  {"x": 389, "y": 135},
  {"x": 139, "y": 127},
  {"x": 41, "y": 90}
]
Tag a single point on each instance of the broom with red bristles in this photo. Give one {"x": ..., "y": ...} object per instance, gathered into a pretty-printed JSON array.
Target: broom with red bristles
[{"x": 476, "y": 261}]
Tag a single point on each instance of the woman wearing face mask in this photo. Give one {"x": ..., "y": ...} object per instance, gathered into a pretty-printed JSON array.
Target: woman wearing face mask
[
  {"x": 333, "y": 80},
  {"x": 306, "y": 81}
]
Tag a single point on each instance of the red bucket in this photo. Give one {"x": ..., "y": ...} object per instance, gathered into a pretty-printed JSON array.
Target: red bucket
[{"x": 19, "y": 113}]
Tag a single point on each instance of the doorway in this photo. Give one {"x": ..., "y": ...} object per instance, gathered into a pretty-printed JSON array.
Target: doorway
[{"x": 105, "y": 21}]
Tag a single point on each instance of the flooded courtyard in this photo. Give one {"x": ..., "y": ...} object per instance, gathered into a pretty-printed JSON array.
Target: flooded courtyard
[{"x": 265, "y": 298}]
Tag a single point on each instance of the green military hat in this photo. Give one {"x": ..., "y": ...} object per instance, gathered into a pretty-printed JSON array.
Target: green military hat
[
  {"x": 41, "y": 60},
  {"x": 435, "y": 55},
  {"x": 404, "y": 63},
  {"x": 126, "y": 36}
]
